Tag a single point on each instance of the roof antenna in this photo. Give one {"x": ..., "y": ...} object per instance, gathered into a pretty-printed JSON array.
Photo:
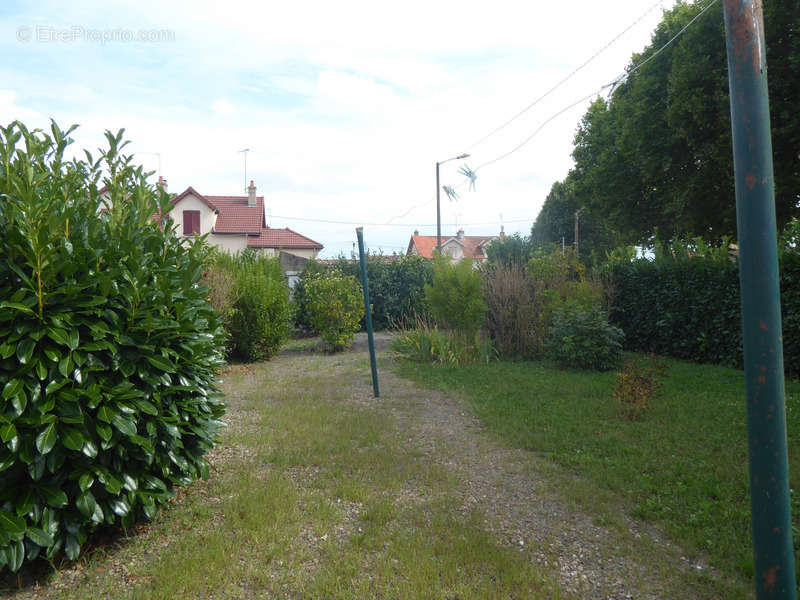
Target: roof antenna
[{"x": 244, "y": 152}]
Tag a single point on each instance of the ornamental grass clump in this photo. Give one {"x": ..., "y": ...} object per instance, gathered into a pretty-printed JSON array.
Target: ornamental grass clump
[{"x": 109, "y": 348}]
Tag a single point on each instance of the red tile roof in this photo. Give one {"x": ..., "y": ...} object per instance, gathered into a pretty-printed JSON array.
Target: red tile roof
[
  {"x": 473, "y": 245},
  {"x": 281, "y": 238},
  {"x": 190, "y": 190},
  {"x": 234, "y": 215}
]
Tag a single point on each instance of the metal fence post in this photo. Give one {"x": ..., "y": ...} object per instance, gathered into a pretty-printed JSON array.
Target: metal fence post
[
  {"x": 760, "y": 294},
  {"x": 368, "y": 310}
]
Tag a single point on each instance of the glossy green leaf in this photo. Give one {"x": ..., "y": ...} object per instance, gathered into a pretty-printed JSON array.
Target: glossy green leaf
[
  {"x": 39, "y": 537},
  {"x": 25, "y": 502},
  {"x": 53, "y": 496},
  {"x": 16, "y": 306},
  {"x": 52, "y": 355},
  {"x": 47, "y": 439},
  {"x": 58, "y": 335},
  {"x": 106, "y": 413},
  {"x": 72, "y": 438},
  {"x": 65, "y": 365},
  {"x": 89, "y": 449},
  {"x": 120, "y": 506},
  {"x": 160, "y": 362},
  {"x": 124, "y": 425},
  {"x": 25, "y": 350},
  {"x": 72, "y": 548},
  {"x": 16, "y": 555},
  {"x": 86, "y": 503},
  {"x": 12, "y": 388},
  {"x": 7, "y": 432},
  {"x": 85, "y": 481},
  {"x": 12, "y": 525},
  {"x": 73, "y": 339},
  {"x": 104, "y": 431}
]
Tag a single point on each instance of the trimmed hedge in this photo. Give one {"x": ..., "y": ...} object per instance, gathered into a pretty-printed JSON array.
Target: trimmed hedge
[
  {"x": 688, "y": 308},
  {"x": 109, "y": 348},
  {"x": 396, "y": 287}
]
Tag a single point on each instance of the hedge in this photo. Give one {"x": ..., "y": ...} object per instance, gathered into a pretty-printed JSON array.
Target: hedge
[
  {"x": 109, "y": 348},
  {"x": 396, "y": 287},
  {"x": 688, "y": 308}
]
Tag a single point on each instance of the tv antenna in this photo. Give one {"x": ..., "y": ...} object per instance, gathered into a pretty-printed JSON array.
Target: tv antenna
[{"x": 244, "y": 152}]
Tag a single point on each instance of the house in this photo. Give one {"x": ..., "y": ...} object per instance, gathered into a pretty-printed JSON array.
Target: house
[
  {"x": 456, "y": 248},
  {"x": 234, "y": 223}
]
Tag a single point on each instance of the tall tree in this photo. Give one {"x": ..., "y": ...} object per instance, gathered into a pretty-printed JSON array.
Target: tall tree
[
  {"x": 657, "y": 156},
  {"x": 556, "y": 222}
]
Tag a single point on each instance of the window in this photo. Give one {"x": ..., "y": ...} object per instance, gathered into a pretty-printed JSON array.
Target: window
[{"x": 191, "y": 222}]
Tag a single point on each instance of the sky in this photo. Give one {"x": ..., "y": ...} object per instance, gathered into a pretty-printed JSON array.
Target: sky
[{"x": 345, "y": 107}]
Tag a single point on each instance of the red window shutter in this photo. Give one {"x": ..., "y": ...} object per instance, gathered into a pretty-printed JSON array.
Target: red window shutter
[{"x": 191, "y": 222}]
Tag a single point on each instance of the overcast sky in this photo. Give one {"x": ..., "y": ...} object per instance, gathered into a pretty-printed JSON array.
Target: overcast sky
[{"x": 345, "y": 106}]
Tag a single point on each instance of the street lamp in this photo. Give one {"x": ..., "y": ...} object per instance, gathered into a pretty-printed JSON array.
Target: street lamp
[{"x": 438, "y": 209}]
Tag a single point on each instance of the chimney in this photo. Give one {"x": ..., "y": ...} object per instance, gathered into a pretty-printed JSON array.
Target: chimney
[
  {"x": 416, "y": 232},
  {"x": 251, "y": 194},
  {"x": 502, "y": 233},
  {"x": 460, "y": 234},
  {"x": 162, "y": 183}
]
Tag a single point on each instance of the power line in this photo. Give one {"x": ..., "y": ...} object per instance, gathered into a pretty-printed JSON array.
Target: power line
[
  {"x": 624, "y": 76},
  {"x": 567, "y": 78},
  {"x": 538, "y": 129},
  {"x": 413, "y": 208},
  {"x": 613, "y": 84},
  {"x": 330, "y": 222}
]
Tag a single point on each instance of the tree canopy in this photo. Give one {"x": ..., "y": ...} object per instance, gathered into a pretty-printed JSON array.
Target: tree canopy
[{"x": 655, "y": 157}]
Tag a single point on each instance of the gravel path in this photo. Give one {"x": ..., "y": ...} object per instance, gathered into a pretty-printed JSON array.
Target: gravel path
[
  {"x": 507, "y": 485},
  {"x": 517, "y": 491}
]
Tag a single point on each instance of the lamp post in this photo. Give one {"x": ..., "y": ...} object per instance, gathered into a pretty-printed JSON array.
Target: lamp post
[{"x": 438, "y": 208}]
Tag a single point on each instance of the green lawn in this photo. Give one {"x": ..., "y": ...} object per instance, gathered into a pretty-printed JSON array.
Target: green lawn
[
  {"x": 683, "y": 466},
  {"x": 315, "y": 492}
]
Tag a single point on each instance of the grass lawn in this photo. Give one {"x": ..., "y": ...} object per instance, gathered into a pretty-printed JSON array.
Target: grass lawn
[
  {"x": 314, "y": 493},
  {"x": 682, "y": 466}
]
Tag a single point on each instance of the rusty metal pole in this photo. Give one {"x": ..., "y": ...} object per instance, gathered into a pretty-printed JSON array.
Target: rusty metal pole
[
  {"x": 760, "y": 294},
  {"x": 368, "y": 310},
  {"x": 438, "y": 214}
]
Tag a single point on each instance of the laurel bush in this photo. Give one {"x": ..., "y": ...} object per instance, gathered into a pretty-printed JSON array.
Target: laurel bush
[{"x": 109, "y": 348}]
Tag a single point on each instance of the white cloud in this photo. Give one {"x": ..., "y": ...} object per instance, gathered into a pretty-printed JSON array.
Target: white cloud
[
  {"x": 346, "y": 106},
  {"x": 222, "y": 107}
]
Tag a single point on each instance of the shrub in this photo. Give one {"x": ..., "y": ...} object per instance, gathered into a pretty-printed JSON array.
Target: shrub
[
  {"x": 560, "y": 277},
  {"x": 259, "y": 322},
  {"x": 456, "y": 296},
  {"x": 221, "y": 284},
  {"x": 108, "y": 348},
  {"x": 396, "y": 286},
  {"x": 637, "y": 382},
  {"x": 510, "y": 250},
  {"x": 336, "y": 307},
  {"x": 301, "y": 317},
  {"x": 583, "y": 338},
  {"x": 515, "y": 316},
  {"x": 426, "y": 343},
  {"x": 682, "y": 303}
]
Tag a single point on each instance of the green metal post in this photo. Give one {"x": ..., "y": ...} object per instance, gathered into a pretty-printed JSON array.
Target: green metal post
[
  {"x": 760, "y": 293},
  {"x": 370, "y": 335}
]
